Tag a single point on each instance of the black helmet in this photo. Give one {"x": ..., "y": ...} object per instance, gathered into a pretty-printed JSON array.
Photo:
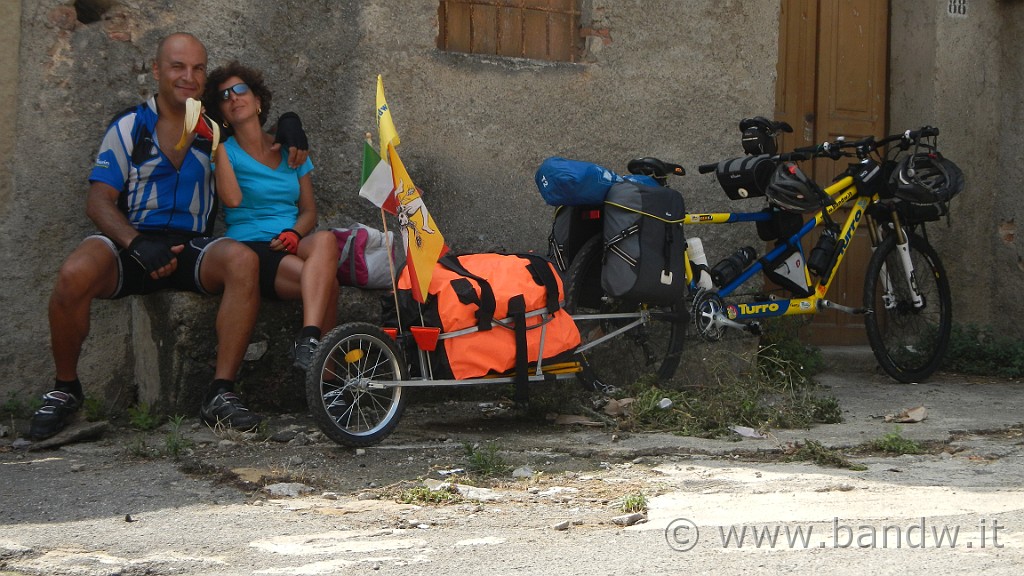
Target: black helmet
[
  {"x": 760, "y": 135},
  {"x": 926, "y": 178},
  {"x": 791, "y": 190}
]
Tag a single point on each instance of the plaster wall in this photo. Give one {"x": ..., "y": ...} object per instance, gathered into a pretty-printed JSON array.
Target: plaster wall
[
  {"x": 667, "y": 78},
  {"x": 963, "y": 73}
]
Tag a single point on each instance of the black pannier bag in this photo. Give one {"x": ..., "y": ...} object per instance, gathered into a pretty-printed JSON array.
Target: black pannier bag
[
  {"x": 571, "y": 228},
  {"x": 746, "y": 176},
  {"x": 644, "y": 259}
]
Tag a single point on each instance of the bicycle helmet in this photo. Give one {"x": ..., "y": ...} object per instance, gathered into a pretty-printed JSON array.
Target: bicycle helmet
[
  {"x": 926, "y": 178},
  {"x": 791, "y": 190},
  {"x": 760, "y": 135}
]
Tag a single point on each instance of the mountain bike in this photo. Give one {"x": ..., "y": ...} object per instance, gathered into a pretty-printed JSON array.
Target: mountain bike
[{"x": 907, "y": 305}]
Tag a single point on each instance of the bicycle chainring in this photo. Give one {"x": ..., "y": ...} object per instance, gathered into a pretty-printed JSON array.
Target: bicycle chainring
[{"x": 707, "y": 306}]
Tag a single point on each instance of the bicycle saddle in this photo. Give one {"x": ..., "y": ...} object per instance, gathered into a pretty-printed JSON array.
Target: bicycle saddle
[{"x": 653, "y": 167}]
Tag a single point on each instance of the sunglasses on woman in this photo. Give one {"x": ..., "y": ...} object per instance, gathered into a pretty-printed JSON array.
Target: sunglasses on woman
[{"x": 238, "y": 89}]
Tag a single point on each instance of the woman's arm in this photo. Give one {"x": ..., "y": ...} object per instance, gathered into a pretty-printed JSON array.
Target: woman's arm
[
  {"x": 228, "y": 191},
  {"x": 306, "y": 220}
]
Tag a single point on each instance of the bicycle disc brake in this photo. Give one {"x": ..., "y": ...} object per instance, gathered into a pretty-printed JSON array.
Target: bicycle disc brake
[{"x": 708, "y": 313}]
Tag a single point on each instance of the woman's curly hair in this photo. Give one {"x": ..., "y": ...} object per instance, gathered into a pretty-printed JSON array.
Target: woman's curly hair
[{"x": 252, "y": 77}]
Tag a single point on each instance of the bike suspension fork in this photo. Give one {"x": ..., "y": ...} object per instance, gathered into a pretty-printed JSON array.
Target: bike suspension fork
[{"x": 903, "y": 249}]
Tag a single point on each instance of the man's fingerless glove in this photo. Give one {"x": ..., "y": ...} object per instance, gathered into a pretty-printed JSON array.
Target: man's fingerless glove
[
  {"x": 290, "y": 240},
  {"x": 290, "y": 133},
  {"x": 150, "y": 253}
]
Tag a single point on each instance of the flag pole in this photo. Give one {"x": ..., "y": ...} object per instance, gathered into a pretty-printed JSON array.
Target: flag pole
[{"x": 391, "y": 254}]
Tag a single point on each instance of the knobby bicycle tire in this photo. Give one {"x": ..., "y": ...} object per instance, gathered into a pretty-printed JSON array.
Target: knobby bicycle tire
[
  {"x": 652, "y": 349},
  {"x": 343, "y": 406},
  {"x": 908, "y": 342}
]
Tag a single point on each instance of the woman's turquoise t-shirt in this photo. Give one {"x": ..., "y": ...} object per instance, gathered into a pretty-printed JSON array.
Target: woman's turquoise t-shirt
[{"x": 269, "y": 196}]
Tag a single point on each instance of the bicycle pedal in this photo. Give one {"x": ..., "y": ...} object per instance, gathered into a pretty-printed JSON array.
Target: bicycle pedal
[{"x": 754, "y": 328}]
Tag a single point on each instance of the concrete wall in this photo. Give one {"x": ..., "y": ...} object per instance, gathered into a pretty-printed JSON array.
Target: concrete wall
[
  {"x": 668, "y": 78},
  {"x": 965, "y": 75}
]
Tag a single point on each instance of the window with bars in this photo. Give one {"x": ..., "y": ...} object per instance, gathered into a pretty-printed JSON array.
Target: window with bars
[{"x": 538, "y": 29}]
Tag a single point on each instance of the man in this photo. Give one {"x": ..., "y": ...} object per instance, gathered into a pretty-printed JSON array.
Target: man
[{"x": 154, "y": 206}]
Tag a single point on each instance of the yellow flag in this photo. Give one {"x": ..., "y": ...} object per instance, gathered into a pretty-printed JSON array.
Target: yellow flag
[
  {"x": 388, "y": 134},
  {"x": 423, "y": 240}
]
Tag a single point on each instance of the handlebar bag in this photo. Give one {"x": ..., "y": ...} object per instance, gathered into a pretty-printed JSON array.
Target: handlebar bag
[
  {"x": 746, "y": 176},
  {"x": 644, "y": 258},
  {"x": 495, "y": 312}
]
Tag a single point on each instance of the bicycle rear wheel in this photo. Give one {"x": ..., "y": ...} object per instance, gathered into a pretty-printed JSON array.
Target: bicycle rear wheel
[
  {"x": 651, "y": 349},
  {"x": 339, "y": 385},
  {"x": 909, "y": 342}
]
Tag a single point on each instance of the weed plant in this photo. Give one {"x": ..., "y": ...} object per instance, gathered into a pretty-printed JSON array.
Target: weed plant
[
  {"x": 16, "y": 407},
  {"x": 137, "y": 447},
  {"x": 814, "y": 451},
  {"x": 94, "y": 409},
  {"x": 445, "y": 494},
  {"x": 142, "y": 417},
  {"x": 634, "y": 502},
  {"x": 895, "y": 443},
  {"x": 485, "y": 460},
  {"x": 977, "y": 350},
  {"x": 175, "y": 442},
  {"x": 772, "y": 391}
]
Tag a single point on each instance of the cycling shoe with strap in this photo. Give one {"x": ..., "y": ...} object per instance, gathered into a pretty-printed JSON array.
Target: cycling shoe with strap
[
  {"x": 226, "y": 409},
  {"x": 58, "y": 406}
]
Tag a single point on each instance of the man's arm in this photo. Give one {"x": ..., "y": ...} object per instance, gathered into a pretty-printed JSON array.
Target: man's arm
[{"x": 101, "y": 207}]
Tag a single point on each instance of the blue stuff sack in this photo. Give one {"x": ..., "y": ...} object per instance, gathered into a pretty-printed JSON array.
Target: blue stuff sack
[
  {"x": 564, "y": 182},
  {"x": 642, "y": 179}
]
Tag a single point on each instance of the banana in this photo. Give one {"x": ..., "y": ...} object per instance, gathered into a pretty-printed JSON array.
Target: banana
[{"x": 200, "y": 124}]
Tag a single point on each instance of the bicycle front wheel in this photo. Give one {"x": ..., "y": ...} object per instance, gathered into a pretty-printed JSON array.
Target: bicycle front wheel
[
  {"x": 651, "y": 349},
  {"x": 343, "y": 385},
  {"x": 909, "y": 339}
]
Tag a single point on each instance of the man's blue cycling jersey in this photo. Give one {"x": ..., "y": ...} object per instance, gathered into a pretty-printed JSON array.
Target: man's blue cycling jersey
[{"x": 154, "y": 194}]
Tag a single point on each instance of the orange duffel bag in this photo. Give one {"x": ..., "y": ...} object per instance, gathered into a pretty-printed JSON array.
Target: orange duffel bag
[{"x": 494, "y": 310}]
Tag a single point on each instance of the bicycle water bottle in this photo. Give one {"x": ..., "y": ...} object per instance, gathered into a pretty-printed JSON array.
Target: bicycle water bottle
[
  {"x": 823, "y": 256},
  {"x": 729, "y": 269},
  {"x": 695, "y": 248}
]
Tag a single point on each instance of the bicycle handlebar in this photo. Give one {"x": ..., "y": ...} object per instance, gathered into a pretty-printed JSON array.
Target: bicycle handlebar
[{"x": 837, "y": 148}]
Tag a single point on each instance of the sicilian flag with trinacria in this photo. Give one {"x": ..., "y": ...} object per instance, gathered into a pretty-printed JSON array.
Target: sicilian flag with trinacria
[{"x": 388, "y": 185}]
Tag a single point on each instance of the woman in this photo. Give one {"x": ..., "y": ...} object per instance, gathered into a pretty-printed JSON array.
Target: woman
[{"x": 270, "y": 206}]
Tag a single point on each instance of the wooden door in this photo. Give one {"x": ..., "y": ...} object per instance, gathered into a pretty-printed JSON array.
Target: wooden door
[{"x": 833, "y": 58}]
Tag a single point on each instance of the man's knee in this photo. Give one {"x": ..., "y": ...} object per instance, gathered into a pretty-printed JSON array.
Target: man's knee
[
  {"x": 236, "y": 263},
  {"x": 85, "y": 274}
]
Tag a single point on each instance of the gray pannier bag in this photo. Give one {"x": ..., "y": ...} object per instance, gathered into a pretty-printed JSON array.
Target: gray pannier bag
[{"x": 644, "y": 258}]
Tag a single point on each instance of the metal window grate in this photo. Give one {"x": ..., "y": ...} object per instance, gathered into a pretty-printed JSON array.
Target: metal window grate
[{"x": 539, "y": 29}]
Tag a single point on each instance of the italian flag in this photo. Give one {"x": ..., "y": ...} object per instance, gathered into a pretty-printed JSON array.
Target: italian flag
[{"x": 378, "y": 185}]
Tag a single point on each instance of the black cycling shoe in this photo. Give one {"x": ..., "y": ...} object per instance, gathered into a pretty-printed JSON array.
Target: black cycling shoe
[
  {"x": 51, "y": 418},
  {"x": 303, "y": 351},
  {"x": 226, "y": 409}
]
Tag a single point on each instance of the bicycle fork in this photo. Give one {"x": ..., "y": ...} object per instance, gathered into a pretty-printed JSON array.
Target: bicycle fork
[{"x": 889, "y": 298}]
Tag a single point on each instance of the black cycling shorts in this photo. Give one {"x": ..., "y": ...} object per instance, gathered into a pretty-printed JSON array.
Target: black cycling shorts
[
  {"x": 270, "y": 261},
  {"x": 132, "y": 278}
]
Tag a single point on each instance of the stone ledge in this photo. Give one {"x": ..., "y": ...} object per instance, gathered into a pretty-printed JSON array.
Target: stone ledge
[{"x": 173, "y": 349}]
